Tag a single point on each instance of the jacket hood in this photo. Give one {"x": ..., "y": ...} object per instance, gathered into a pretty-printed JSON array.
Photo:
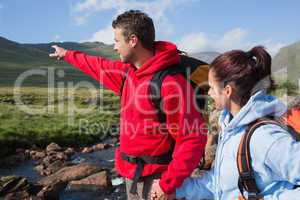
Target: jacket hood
[
  {"x": 166, "y": 54},
  {"x": 259, "y": 105}
]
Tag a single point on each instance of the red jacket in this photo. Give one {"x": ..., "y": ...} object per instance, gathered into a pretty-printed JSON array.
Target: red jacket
[{"x": 140, "y": 129}]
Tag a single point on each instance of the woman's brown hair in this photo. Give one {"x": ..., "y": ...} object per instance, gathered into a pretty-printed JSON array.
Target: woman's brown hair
[{"x": 246, "y": 72}]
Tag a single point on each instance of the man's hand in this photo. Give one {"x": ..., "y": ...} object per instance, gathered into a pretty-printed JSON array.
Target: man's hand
[
  {"x": 59, "y": 52},
  {"x": 158, "y": 194}
]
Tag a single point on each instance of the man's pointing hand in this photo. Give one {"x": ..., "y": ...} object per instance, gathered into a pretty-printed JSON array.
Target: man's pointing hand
[{"x": 59, "y": 52}]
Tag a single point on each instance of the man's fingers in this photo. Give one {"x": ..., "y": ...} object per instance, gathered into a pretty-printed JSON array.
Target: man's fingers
[
  {"x": 54, "y": 46},
  {"x": 52, "y": 55}
]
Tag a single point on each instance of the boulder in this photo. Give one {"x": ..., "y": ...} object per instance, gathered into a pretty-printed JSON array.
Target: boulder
[
  {"x": 19, "y": 195},
  {"x": 96, "y": 181},
  {"x": 51, "y": 191},
  {"x": 53, "y": 147},
  {"x": 87, "y": 150},
  {"x": 11, "y": 184},
  {"x": 69, "y": 152},
  {"x": 71, "y": 173}
]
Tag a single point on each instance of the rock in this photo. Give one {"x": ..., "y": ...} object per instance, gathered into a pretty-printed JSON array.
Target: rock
[
  {"x": 20, "y": 195},
  {"x": 61, "y": 156},
  {"x": 71, "y": 173},
  {"x": 87, "y": 150},
  {"x": 53, "y": 147},
  {"x": 32, "y": 153},
  {"x": 38, "y": 155},
  {"x": 40, "y": 169},
  {"x": 99, "y": 147},
  {"x": 55, "y": 166},
  {"x": 48, "y": 160},
  {"x": 96, "y": 181},
  {"x": 69, "y": 152},
  {"x": 10, "y": 184},
  {"x": 51, "y": 191}
]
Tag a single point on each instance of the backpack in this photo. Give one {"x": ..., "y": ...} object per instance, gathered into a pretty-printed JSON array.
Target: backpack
[
  {"x": 290, "y": 121},
  {"x": 196, "y": 72}
]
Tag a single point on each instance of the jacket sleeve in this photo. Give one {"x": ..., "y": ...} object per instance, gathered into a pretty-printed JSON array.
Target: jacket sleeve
[
  {"x": 282, "y": 159},
  {"x": 197, "y": 188},
  {"x": 188, "y": 129},
  {"x": 109, "y": 73}
]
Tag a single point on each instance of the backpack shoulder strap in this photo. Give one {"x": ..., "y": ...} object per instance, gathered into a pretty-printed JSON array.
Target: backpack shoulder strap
[
  {"x": 155, "y": 88},
  {"x": 123, "y": 81},
  {"x": 246, "y": 173}
]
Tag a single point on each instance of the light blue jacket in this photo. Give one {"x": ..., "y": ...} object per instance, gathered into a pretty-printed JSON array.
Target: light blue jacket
[{"x": 275, "y": 157}]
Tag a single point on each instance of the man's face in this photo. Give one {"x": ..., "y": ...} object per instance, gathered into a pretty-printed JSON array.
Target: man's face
[{"x": 122, "y": 47}]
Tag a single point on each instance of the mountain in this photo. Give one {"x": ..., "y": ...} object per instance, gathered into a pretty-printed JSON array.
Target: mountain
[
  {"x": 19, "y": 55},
  {"x": 13, "y": 53},
  {"x": 16, "y": 58},
  {"x": 287, "y": 63}
]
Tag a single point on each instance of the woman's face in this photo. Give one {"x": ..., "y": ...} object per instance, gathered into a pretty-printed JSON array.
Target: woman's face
[{"x": 217, "y": 92}]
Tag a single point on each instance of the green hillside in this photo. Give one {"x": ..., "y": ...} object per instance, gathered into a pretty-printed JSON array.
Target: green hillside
[
  {"x": 17, "y": 58},
  {"x": 287, "y": 62}
]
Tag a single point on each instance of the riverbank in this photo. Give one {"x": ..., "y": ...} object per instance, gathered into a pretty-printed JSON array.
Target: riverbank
[
  {"x": 64, "y": 174},
  {"x": 69, "y": 117}
]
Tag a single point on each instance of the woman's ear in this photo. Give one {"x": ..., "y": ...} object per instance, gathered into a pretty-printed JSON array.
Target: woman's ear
[{"x": 228, "y": 91}]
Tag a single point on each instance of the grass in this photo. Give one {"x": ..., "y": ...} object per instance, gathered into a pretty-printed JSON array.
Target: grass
[
  {"x": 285, "y": 87},
  {"x": 41, "y": 118},
  {"x": 66, "y": 116},
  {"x": 39, "y": 76}
]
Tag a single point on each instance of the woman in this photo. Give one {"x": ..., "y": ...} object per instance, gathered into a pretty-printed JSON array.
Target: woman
[{"x": 239, "y": 82}]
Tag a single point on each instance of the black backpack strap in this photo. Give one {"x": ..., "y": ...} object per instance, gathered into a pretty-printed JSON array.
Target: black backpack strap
[
  {"x": 140, "y": 161},
  {"x": 246, "y": 173},
  {"x": 123, "y": 81},
  {"x": 155, "y": 88}
]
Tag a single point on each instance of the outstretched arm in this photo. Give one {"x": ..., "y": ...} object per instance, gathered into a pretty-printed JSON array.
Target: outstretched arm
[{"x": 109, "y": 73}]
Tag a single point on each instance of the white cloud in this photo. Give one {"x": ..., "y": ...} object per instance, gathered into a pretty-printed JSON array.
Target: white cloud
[
  {"x": 80, "y": 20},
  {"x": 232, "y": 39},
  {"x": 194, "y": 42},
  {"x": 104, "y": 35},
  {"x": 56, "y": 38},
  {"x": 273, "y": 47},
  {"x": 156, "y": 10},
  {"x": 96, "y": 5}
]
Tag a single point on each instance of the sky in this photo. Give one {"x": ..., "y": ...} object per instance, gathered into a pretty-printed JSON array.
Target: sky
[{"x": 193, "y": 25}]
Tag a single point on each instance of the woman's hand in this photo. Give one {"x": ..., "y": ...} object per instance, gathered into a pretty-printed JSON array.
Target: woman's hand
[{"x": 158, "y": 194}]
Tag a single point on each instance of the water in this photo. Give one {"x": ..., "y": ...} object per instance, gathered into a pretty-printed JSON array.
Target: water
[
  {"x": 25, "y": 170},
  {"x": 104, "y": 159}
]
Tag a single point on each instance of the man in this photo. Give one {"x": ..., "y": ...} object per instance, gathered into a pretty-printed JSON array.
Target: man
[{"x": 153, "y": 154}]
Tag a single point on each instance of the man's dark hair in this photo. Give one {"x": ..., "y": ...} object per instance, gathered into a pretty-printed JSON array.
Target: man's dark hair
[{"x": 137, "y": 23}]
